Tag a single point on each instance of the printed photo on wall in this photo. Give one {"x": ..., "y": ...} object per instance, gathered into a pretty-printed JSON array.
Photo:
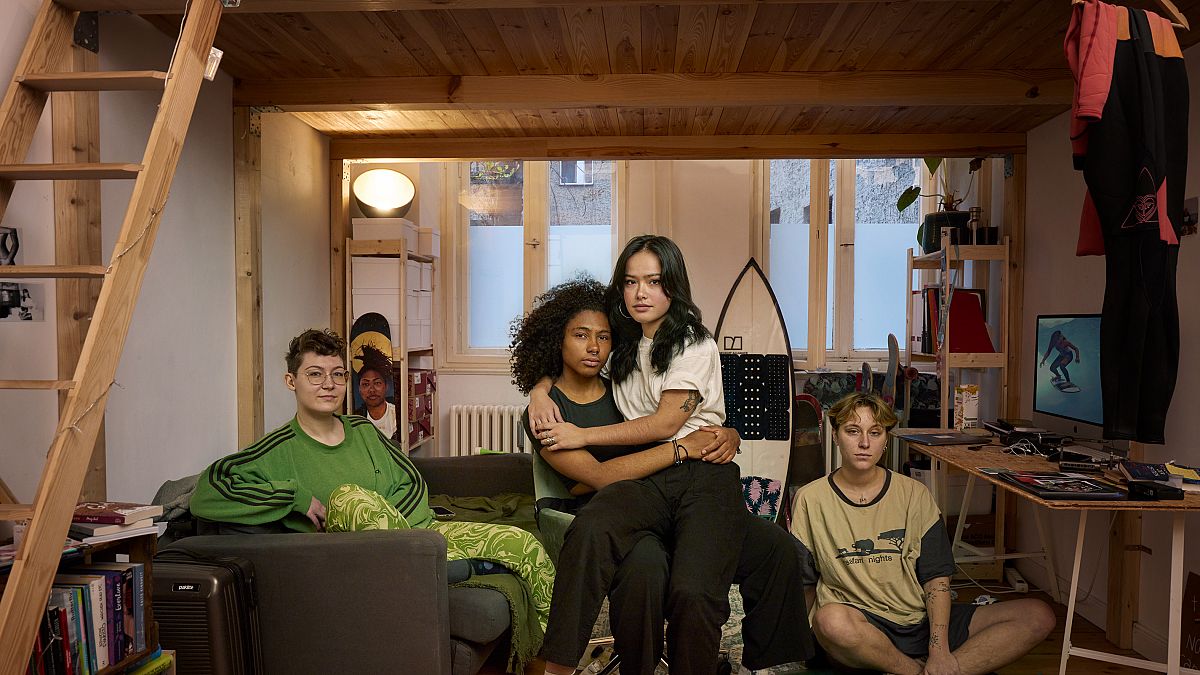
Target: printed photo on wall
[
  {"x": 22, "y": 302},
  {"x": 10, "y": 244}
]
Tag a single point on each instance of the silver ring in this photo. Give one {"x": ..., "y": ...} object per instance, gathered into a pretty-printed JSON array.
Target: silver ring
[{"x": 550, "y": 440}]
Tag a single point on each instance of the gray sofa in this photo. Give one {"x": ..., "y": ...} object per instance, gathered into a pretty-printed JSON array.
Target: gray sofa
[{"x": 377, "y": 601}]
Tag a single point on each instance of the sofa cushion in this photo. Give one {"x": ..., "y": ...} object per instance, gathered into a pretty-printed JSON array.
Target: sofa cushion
[{"x": 479, "y": 615}]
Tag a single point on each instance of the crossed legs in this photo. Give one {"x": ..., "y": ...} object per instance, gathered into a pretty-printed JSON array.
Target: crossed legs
[{"x": 999, "y": 635}]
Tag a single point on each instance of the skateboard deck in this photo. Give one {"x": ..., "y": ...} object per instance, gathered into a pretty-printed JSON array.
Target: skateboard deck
[
  {"x": 756, "y": 366},
  {"x": 370, "y": 332}
]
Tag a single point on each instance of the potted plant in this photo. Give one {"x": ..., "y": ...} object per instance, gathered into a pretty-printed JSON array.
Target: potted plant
[{"x": 948, "y": 215}]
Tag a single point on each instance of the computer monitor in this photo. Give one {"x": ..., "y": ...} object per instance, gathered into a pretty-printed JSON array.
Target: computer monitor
[{"x": 1066, "y": 379}]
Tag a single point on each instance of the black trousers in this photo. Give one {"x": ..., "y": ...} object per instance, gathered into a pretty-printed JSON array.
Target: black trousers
[{"x": 668, "y": 547}]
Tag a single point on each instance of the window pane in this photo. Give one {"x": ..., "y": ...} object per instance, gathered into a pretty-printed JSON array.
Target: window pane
[
  {"x": 881, "y": 237},
  {"x": 790, "y": 202},
  {"x": 495, "y": 241},
  {"x": 581, "y": 228},
  {"x": 831, "y": 279}
]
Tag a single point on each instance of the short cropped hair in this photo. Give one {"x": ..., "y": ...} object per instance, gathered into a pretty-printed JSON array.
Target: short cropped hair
[
  {"x": 319, "y": 342},
  {"x": 845, "y": 410}
]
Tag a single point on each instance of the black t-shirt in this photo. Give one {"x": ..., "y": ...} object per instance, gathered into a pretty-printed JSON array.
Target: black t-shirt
[{"x": 598, "y": 413}]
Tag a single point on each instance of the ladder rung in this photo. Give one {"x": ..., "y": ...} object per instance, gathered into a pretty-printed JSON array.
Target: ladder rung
[
  {"x": 126, "y": 80},
  {"x": 37, "y": 384},
  {"x": 51, "y": 271},
  {"x": 10, "y": 512},
  {"x": 68, "y": 171}
]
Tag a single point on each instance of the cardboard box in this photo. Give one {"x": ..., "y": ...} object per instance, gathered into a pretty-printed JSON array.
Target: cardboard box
[
  {"x": 418, "y": 383},
  {"x": 429, "y": 242},
  {"x": 375, "y": 273},
  {"x": 412, "y": 277}
]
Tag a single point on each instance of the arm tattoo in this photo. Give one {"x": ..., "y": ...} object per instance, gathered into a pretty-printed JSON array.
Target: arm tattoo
[
  {"x": 935, "y": 631},
  {"x": 691, "y": 402}
]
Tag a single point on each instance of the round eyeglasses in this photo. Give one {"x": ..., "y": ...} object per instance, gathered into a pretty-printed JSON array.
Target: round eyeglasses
[{"x": 317, "y": 378}]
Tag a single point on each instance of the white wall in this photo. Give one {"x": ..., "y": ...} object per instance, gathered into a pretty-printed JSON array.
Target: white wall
[
  {"x": 1057, "y": 281},
  {"x": 706, "y": 212},
  {"x": 295, "y": 249}
]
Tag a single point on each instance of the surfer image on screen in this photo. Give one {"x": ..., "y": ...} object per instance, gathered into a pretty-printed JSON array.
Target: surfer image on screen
[
  {"x": 1061, "y": 378},
  {"x": 686, "y": 520}
]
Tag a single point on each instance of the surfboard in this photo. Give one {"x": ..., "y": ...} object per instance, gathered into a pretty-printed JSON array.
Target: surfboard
[{"x": 756, "y": 366}]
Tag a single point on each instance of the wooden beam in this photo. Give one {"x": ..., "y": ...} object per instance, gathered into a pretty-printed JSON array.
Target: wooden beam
[
  {"x": 1124, "y": 569},
  {"x": 680, "y": 147},
  {"x": 53, "y": 272},
  {"x": 663, "y": 90},
  {"x": 75, "y": 131},
  {"x": 61, "y": 385},
  {"x": 6, "y": 495},
  {"x": 339, "y": 231},
  {"x": 24, "y": 599},
  {"x": 90, "y": 79},
  {"x": 274, "y": 6},
  {"x": 247, "y": 240},
  {"x": 1014, "y": 229}
]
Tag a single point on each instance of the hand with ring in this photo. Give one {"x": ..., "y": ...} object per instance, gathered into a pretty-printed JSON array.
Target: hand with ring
[{"x": 563, "y": 436}]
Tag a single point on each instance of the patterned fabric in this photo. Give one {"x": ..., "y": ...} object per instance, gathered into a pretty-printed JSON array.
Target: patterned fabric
[
  {"x": 353, "y": 509},
  {"x": 762, "y": 496},
  {"x": 828, "y": 388}
]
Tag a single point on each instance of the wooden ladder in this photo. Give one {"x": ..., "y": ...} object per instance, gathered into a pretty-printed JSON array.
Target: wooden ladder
[{"x": 38, "y": 73}]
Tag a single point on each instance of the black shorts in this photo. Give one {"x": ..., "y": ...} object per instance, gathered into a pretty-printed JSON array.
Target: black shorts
[{"x": 914, "y": 640}]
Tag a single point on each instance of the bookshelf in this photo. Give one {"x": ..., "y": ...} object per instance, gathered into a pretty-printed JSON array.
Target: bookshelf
[
  {"x": 412, "y": 341},
  {"x": 139, "y": 549},
  {"x": 947, "y": 266}
]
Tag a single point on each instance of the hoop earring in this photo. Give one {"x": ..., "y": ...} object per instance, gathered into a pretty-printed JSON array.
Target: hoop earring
[{"x": 622, "y": 312}]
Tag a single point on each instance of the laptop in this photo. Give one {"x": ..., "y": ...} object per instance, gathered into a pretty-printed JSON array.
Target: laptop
[{"x": 949, "y": 437}]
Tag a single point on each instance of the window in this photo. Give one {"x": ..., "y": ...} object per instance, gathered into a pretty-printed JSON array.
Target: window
[
  {"x": 844, "y": 255},
  {"x": 575, "y": 172},
  {"x": 522, "y": 227}
]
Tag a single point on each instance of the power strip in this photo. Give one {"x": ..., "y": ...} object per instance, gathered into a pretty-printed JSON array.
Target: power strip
[{"x": 1014, "y": 579}]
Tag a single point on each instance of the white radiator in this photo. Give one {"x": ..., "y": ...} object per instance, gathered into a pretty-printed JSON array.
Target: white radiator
[{"x": 495, "y": 427}]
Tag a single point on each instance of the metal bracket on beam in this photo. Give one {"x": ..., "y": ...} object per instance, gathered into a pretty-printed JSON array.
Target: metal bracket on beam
[{"x": 87, "y": 31}]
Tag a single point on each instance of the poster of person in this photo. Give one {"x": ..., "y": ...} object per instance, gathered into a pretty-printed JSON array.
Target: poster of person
[{"x": 22, "y": 302}]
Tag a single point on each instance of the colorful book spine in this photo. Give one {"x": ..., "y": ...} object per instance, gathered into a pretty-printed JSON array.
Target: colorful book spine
[{"x": 98, "y": 614}]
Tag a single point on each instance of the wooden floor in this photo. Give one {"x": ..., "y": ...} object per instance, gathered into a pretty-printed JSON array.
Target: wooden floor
[{"x": 1043, "y": 660}]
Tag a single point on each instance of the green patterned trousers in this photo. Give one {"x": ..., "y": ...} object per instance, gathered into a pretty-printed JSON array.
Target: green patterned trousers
[{"x": 353, "y": 508}]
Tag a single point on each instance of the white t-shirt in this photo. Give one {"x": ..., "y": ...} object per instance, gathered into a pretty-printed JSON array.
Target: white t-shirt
[
  {"x": 697, "y": 368},
  {"x": 387, "y": 425}
]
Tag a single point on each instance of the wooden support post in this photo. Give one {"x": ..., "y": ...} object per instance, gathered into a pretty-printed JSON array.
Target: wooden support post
[
  {"x": 1124, "y": 570},
  {"x": 75, "y": 122},
  {"x": 1014, "y": 229},
  {"x": 339, "y": 231},
  {"x": 247, "y": 240},
  {"x": 6, "y": 495}
]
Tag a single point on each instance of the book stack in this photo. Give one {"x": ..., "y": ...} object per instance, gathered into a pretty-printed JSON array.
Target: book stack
[
  {"x": 1132, "y": 470},
  {"x": 1188, "y": 476},
  {"x": 95, "y": 618},
  {"x": 98, "y": 522}
]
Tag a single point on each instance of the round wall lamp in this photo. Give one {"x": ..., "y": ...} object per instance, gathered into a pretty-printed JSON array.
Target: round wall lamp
[{"x": 383, "y": 193}]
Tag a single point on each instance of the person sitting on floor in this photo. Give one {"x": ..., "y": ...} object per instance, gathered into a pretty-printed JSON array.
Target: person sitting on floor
[
  {"x": 567, "y": 338},
  {"x": 321, "y": 459},
  {"x": 879, "y": 557}
]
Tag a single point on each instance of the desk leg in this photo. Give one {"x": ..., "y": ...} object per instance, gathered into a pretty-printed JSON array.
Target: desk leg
[
  {"x": 936, "y": 467},
  {"x": 962, "y": 514},
  {"x": 1176, "y": 618},
  {"x": 1039, "y": 517},
  {"x": 1066, "y": 648}
]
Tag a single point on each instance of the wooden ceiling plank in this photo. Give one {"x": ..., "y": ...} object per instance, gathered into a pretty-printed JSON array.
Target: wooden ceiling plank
[
  {"x": 389, "y": 56},
  {"x": 876, "y": 35},
  {"x": 850, "y": 25},
  {"x": 531, "y": 122},
  {"x": 589, "y": 50},
  {"x": 483, "y": 35},
  {"x": 623, "y": 36},
  {"x": 1020, "y": 22},
  {"x": 276, "y": 6},
  {"x": 704, "y": 121},
  {"x": 548, "y": 32},
  {"x": 974, "y": 32},
  {"x": 867, "y": 88},
  {"x": 519, "y": 36},
  {"x": 656, "y": 121},
  {"x": 696, "y": 26},
  {"x": 330, "y": 51},
  {"x": 445, "y": 31},
  {"x": 679, "y": 121},
  {"x": 771, "y": 23},
  {"x": 685, "y": 147},
  {"x": 804, "y": 54},
  {"x": 604, "y": 122},
  {"x": 1051, "y": 31},
  {"x": 806, "y": 27},
  {"x": 761, "y": 118},
  {"x": 630, "y": 121},
  {"x": 293, "y": 51},
  {"x": 433, "y": 60},
  {"x": 660, "y": 35},
  {"x": 729, "y": 37},
  {"x": 732, "y": 121}
]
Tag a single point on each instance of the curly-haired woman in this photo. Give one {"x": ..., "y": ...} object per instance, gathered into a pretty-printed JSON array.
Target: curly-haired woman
[{"x": 666, "y": 536}]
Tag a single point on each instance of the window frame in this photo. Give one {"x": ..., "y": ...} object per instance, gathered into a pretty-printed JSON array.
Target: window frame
[
  {"x": 583, "y": 166},
  {"x": 814, "y": 353},
  {"x": 454, "y": 353}
]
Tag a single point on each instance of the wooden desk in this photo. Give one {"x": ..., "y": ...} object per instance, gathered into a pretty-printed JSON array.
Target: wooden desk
[{"x": 971, "y": 461}]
